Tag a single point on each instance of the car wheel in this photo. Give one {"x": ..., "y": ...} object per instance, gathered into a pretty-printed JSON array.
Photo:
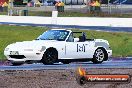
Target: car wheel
[
  {"x": 50, "y": 57},
  {"x": 99, "y": 56}
]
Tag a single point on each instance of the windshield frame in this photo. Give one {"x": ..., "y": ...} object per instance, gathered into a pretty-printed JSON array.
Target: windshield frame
[{"x": 65, "y": 38}]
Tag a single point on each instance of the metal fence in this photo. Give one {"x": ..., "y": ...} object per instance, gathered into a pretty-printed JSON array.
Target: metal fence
[
  {"x": 117, "y": 9},
  {"x": 105, "y": 8}
]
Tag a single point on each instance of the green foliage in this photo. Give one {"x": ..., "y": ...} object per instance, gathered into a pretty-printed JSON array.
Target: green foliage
[
  {"x": 77, "y": 14},
  {"x": 72, "y": 14}
]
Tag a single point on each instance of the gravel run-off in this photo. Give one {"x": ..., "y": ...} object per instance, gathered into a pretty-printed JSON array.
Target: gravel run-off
[{"x": 57, "y": 78}]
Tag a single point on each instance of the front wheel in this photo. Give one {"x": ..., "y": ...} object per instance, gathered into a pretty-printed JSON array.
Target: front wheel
[
  {"x": 50, "y": 57},
  {"x": 99, "y": 56}
]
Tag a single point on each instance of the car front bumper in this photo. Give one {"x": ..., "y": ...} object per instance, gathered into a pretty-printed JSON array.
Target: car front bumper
[
  {"x": 109, "y": 52},
  {"x": 23, "y": 56}
]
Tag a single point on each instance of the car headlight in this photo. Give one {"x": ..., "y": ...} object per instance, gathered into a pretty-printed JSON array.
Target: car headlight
[{"x": 6, "y": 49}]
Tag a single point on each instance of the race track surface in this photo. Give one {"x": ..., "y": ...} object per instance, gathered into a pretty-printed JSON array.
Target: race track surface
[
  {"x": 98, "y": 28},
  {"x": 112, "y": 63}
]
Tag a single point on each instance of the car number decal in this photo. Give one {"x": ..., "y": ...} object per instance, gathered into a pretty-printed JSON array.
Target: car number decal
[{"x": 81, "y": 48}]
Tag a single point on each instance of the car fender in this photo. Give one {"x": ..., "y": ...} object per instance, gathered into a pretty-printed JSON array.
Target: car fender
[{"x": 59, "y": 46}]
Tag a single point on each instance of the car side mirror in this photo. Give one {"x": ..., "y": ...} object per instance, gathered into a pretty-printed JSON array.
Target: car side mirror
[{"x": 76, "y": 39}]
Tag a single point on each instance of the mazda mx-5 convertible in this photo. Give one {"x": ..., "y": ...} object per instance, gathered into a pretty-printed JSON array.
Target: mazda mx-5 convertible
[{"x": 59, "y": 45}]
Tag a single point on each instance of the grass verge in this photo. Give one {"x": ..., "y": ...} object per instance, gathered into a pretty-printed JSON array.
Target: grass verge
[
  {"x": 78, "y": 14},
  {"x": 120, "y": 42},
  {"x": 73, "y": 14}
]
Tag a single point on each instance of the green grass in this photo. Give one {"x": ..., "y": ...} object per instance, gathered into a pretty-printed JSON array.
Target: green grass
[
  {"x": 121, "y": 43},
  {"x": 73, "y": 14},
  {"x": 77, "y": 14},
  {"x": 3, "y": 13}
]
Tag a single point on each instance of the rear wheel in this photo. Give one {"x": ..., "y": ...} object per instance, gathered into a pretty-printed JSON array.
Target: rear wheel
[
  {"x": 50, "y": 56},
  {"x": 99, "y": 56}
]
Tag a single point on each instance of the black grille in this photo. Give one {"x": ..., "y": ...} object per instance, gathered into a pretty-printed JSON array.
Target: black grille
[{"x": 17, "y": 56}]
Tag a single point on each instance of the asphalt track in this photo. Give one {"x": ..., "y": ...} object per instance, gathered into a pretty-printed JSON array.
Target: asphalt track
[
  {"x": 99, "y": 28},
  {"x": 112, "y": 63}
]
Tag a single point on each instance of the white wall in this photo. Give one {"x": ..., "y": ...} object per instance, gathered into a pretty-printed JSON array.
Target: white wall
[{"x": 80, "y": 21}]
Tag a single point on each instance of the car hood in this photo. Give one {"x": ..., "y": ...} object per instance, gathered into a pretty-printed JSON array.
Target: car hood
[{"x": 35, "y": 44}]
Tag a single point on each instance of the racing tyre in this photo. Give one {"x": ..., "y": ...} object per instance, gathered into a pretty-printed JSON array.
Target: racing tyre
[
  {"x": 50, "y": 57},
  {"x": 99, "y": 56}
]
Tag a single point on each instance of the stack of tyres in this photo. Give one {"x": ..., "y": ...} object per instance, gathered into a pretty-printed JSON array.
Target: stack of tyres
[
  {"x": 5, "y": 9},
  {"x": 1, "y": 9},
  {"x": 92, "y": 8},
  {"x": 60, "y": 7},
  {"x": 97, "y": 9},
  {"x": 25, "y": 12}
]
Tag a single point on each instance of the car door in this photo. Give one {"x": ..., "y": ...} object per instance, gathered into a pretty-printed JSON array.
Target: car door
[{"x": 77, "y": 49}]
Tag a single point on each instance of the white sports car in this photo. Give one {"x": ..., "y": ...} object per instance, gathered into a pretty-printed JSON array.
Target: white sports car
[{"x": 59, "y": 45}]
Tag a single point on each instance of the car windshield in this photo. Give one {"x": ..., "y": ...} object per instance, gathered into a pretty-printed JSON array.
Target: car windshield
[{"x": 59, "y": 35}]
